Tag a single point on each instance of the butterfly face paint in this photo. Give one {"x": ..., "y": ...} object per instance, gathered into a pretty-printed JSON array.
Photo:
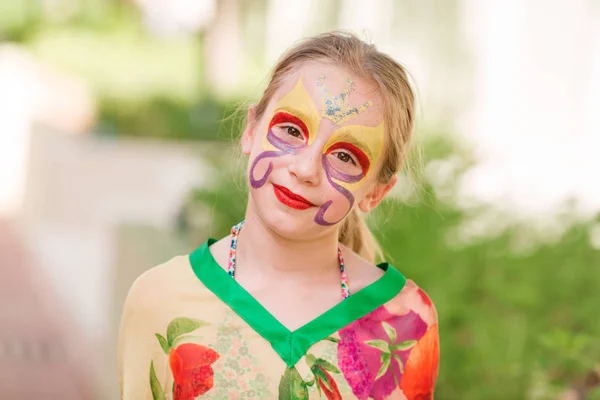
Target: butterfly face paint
[{"x": 348, "y": 156}]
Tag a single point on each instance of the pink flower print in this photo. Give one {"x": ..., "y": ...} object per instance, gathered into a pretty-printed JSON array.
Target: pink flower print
[
  {"x": 229, "y": 374},
  {"x": 373, "y": 350},
  {"x": 245, "y": 362},
  {"x": 233, "y": 353},
  {"x": 243, "y": 384}
]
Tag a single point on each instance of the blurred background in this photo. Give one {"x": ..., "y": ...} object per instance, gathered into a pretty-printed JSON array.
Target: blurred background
[{"x": 118, "y": 125}]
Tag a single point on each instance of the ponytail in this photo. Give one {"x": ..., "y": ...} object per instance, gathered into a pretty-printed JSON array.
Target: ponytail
[{"x": 355, "y": 234}]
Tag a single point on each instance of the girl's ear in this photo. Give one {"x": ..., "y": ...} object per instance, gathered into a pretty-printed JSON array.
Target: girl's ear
[
  {"x": 374, "y": 197},
  {"x": 248, "y": 134}
]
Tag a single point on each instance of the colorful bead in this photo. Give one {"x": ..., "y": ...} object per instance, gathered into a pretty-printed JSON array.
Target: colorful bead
[
  {"x": 235, "y": 230},
  {"x": 343, "y": 275}
]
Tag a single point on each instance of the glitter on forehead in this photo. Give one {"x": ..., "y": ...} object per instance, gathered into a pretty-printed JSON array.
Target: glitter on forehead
[{"x": 337, "y": 108}]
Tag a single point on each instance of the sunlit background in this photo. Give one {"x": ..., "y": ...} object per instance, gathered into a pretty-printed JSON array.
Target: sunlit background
[{"x": 117, "y": 124}]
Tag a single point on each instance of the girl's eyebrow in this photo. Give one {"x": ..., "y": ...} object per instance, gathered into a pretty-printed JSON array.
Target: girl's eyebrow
[
  {"x": 294, "y": 111},
  {"x": 281, "y": 117},
  {"x": 349, "y": 138}
]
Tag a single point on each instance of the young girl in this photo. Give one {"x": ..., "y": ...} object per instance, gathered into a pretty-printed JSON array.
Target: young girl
[{"x": 290, "y": 305}]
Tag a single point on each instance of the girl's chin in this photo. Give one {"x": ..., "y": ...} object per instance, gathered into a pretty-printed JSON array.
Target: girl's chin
[
  {"x": 292, "y": 223},
  {"x": 297, "y": 227}
]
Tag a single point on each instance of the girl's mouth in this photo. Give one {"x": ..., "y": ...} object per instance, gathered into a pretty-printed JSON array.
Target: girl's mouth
[{"x": 291, "y": 199}]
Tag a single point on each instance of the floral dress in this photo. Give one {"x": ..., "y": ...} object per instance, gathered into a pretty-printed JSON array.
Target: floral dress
[{"x": 190, "y": 331}]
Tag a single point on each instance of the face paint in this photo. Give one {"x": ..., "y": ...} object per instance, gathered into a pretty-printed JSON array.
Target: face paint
[
  {"x": 299, "y": 104},
  {"x": 296, "y": 107},
  {"x": 363, "y": 144},
  {"x": 366, "y": 145},
  {"x": 336, "y": 108}
]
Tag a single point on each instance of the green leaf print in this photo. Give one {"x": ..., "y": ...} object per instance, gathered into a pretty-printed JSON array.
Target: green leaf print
[
  {"x": 292, "y": 386},
  {"x": 163, "y": 343},
  {"x": 385, "y": 359},
  {"x": 328, "y": 366},
  {"x": 390, "y": 331},
  {"x": 310, "y": 360},
  {"x": 157, "y": 393},
  {"x": 188, "y": 339},
  {"x": 403, "y": 346},
  {"x": 379, "y": 344},
  {"x": 181, "y": 326},
  {"x": 400, "y": 363},
  {"x": 321, "y": 377}
]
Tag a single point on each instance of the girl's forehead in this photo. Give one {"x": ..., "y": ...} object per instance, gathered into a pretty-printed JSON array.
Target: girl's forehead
[{"x": 337, "y": 94}]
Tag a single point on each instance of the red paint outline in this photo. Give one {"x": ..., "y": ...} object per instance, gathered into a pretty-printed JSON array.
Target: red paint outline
[
  {"x": 363, "y": 159},
  {"x": 282, "y": 117}
]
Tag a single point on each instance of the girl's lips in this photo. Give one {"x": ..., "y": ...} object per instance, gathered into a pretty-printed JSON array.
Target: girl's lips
[{"x": 291, "y": 199}]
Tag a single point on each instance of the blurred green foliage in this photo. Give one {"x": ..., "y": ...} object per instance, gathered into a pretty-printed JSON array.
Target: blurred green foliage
[
  {"x": 513, "y": 325},
  {"x": 166, "y": 118},
  {"x": 501, "y": 314},
  {"x": 144, "y": 85}
]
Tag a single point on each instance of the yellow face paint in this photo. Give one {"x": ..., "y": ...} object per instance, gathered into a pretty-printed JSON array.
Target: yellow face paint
[
  {"x": 366, "y": 140},
  {"x": 298, "y": 103}
]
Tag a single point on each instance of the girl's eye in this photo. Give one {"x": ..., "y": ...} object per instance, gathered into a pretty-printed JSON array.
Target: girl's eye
[
  {"x": 349, "y": 158},
  {"x": 293, "y": 132},
  {"x": 345, "y": 157}
]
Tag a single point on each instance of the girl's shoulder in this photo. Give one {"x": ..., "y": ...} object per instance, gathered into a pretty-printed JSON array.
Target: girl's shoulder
[
  {"x": 159, "y": 282},
  {"x": 397, "y": 340},
  {"x": 410, "y": 296},
  {"x": 413, "y": 298},
  {"x": 398, "y": 343}
]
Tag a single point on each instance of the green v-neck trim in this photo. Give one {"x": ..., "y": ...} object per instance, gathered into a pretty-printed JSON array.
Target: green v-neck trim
[{"x": 292, "y": 345}]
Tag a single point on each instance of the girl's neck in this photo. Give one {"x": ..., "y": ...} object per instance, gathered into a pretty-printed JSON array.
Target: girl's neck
[{"x": 261, "y": 247}]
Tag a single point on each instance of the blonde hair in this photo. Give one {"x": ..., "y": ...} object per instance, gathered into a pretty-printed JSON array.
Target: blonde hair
[{"x": 348, "y": 51}]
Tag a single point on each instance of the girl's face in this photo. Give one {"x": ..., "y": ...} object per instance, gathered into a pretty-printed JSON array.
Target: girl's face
[{"x": 316, "y": 151}]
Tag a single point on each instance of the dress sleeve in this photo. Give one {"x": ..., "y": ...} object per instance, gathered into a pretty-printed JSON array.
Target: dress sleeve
[
  {"x": 142, "y": 366},
  {"x": 421, "y": 369}
]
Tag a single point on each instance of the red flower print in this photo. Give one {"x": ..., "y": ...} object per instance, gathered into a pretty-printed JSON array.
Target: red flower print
[
  {"x": 424, "y": 297},
  {"x": 192, "y": 372},
  {"x": 421, "y": 369},
  {"x": 321, "y": 370},
  {"x": 373, "y": 350},
  {"x": 327, "y": 384}
]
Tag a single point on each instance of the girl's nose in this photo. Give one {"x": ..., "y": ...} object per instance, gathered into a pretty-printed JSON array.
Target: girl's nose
[{"x": 307, "y": 165}]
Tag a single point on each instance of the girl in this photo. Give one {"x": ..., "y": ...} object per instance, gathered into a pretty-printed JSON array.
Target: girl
[{"x": 290, "y": 305}]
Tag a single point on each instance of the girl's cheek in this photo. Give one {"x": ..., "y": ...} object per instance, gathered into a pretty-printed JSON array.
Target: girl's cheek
[
  {"x": 262, "y": 166},
  {"x": 259, "y": 168},
  {"x": 282, "y": 161},
  {"x": 339, "y": 206}
]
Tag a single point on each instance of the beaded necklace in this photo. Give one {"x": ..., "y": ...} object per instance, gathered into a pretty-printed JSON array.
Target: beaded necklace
[{"x": 235, "y": 230}]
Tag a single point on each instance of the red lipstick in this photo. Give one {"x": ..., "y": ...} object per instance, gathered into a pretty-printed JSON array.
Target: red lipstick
[{"x": 291, "y": 199}]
